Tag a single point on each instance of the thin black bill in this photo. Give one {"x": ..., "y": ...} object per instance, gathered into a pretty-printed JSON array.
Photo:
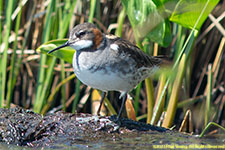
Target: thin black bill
[{"x": 64, "y": 45}]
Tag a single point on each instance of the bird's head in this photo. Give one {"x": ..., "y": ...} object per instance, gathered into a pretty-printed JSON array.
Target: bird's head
[{"x": 82, "y": 37}]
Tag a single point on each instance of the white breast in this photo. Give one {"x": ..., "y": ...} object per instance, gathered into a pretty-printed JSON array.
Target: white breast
[{"x": 102, "y": 80}]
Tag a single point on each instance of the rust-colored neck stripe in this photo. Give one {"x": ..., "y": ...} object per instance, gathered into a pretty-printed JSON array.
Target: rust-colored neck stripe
[{"x": 98, "y": 38}]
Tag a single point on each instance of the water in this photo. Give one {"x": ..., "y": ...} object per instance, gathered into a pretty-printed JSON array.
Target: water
[{"x": 136, "y": 140}]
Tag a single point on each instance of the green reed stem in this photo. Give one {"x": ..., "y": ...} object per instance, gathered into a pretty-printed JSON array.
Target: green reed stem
[
  {"x": 9, "y": 9},
  {"x": 171, "y": 109},
  {"x": 24, "y": 42},
  {"x": 1, "y": 15},
  {"x": 76, "y": 100},
  {"x": 40, "y": 93},
  {"x": 150, "y": 98},
  {"x": 48, "y": 79},
  {"x": 92, "y": 10},
  {"x": 98, "y": 10},
  {"x": 209, "y": 95},
  {"x": 13, "y": 59},
  {"x": 51, "y": 97},
  {"x": 137, "y": 97},
  {"x": 162, "y": 104},
  {"x": 208, "y": 126},
  {"x": 65, "y": 20},
  {"x": 120, "y": 21},
  {"x": 187, "y": 49},
  {"x": 63, "y": 89}
]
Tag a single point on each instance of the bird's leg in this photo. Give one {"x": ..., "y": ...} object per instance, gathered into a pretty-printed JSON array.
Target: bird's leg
[
  {"x": 121, "y": 108},
  {"x": 101, "y": 102}
]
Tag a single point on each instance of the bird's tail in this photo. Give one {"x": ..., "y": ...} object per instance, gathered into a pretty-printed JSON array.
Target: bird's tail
[{"x": 165, "y": 61}]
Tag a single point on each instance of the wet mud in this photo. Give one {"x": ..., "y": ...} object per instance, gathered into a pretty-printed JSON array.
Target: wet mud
[{"x": 65, "y": 130}]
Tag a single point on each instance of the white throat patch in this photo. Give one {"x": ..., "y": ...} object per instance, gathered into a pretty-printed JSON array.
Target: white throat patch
[{"x": 81, "y": 44}]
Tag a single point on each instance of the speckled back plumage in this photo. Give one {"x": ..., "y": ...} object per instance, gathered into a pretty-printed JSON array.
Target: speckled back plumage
[{"x": 135, "y": 53}]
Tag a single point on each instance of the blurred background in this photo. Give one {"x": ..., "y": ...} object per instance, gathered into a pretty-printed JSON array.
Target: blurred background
[{"x": 194, "y": 92}]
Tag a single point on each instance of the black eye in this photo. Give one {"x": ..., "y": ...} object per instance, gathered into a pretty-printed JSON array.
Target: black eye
[{"x": 80, "y": 33}]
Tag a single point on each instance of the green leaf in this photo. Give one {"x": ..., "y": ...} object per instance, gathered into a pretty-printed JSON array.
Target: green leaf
[
  {"x": 187, "y": 12},
  {"x": 150, "y": 18},
  {"x": 65, "y": 53},
  {"x": 147, "y": 20},
  {"x": 161, "y": 34}
]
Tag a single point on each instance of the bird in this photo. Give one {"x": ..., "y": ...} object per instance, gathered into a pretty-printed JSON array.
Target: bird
[{"x": 107, "y": 62}]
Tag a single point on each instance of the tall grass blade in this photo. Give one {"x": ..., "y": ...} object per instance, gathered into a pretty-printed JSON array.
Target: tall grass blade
[
  {"x": 51, "y": 97},
  {"x": 40, "y": 93},
  {"x": 217, "y": 60},
  {"x": 1, "y": 14},
  {"x": 120, "y": 21},
  {"x": 13, "y": 59},
  {"x": 9, "y": 9},
  {"x": 150, "y": 98},
  {"x": 207, "y": 127},
  {"x": 1, "y": 35},
  {"x": 171, "y": 109},
  {"x": 92, "y": 10},
  {"x": 137, "y": 97},
  {"x": 77, "y": 91},
  {"x": 64, "y": 24},
  {"x": 161, "y": 106},
  {"x": 26, "y": 36},
  {"x": 187, "y": 49},
  {"x": 209, "y": 95}
]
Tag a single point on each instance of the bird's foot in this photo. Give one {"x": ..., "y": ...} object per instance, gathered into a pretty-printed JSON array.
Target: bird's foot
[{"x": 117, "y": 122}]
